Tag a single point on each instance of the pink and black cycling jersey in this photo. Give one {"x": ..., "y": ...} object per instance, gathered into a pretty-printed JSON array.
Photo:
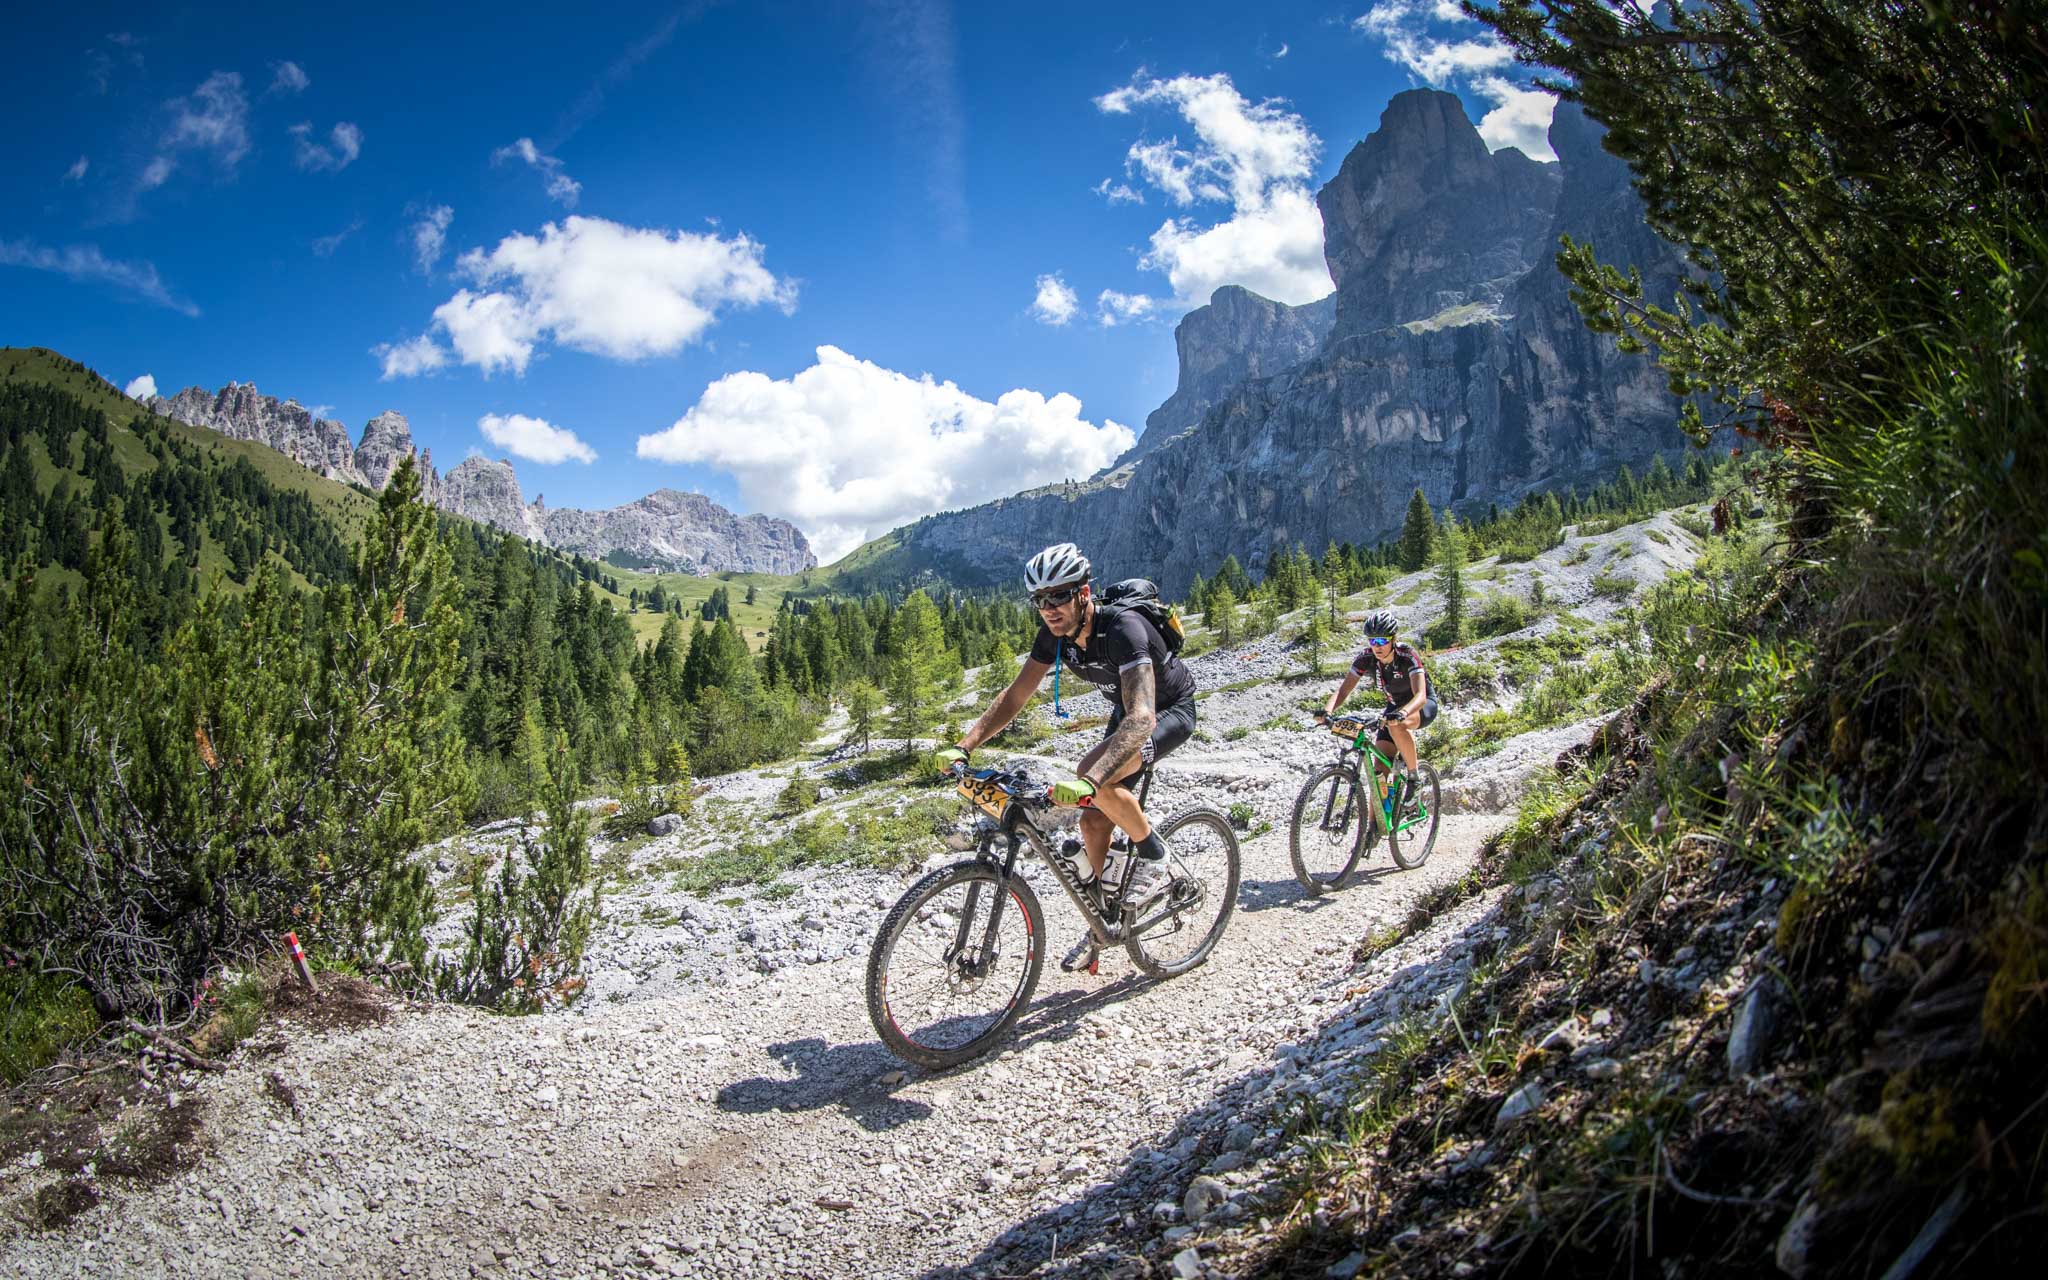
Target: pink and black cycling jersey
[{"x": 1395, "y": 677}]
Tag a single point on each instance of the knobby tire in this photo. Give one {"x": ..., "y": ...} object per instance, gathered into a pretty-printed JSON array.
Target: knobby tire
[
  {"x": 1316, "y": 809},
  {"x": 892, "y": 964},
  {"x": 1203, "y": 832}
]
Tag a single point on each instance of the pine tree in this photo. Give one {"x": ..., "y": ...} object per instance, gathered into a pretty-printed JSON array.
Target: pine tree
[
  {"x": 862, "y": 701},
  {"x": 1450, "y": 580},
  {"x": 1418, "y": 533},
  {"x": 1221, "y": 615},
  {"x": 916, "y": 667},
  {"x": 1315, "y": 638}
]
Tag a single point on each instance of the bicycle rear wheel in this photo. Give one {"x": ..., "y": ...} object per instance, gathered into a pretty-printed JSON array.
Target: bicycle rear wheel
[
  {"x": 1332, "y": 830},
  {"x": 943, "y": 986},
  {"x": 1413, "y": 838},
  {"x": 1175, "y": 933}
]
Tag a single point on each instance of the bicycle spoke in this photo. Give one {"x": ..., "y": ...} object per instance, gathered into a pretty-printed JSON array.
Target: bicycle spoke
[
  {"x": 946, "y": 987},
  {"x": 1176, "y": 933},
  {"x": 1331, "y": 829}
]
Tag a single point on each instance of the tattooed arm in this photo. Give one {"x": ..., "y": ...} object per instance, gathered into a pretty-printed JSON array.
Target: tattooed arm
[
  {"x": 1133, "y": 729},
  {"x": 1007, "y": 704}
]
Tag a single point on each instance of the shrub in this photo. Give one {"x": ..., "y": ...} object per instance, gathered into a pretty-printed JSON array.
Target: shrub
[
  {"x": 1499, "y": 613},
  {"x": 527, "y": 933},
  {"x": 1614, "y": 586},
  {"x": 39, "y": 1017},
  {"x": 272, "y": 767},
  {"x": 800, "y": 794}
]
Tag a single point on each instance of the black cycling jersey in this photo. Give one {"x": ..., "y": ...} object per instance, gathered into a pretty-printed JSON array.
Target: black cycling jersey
[
  {"x": 1119, "y": 643},
  {"x": 1396, "y": 677}
]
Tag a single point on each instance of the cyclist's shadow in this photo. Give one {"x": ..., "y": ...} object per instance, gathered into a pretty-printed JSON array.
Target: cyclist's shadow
[
  {"x": 828, "y": 1075},
  {"x": 1264, "y": 895},
  {"x": 849, "y": 1075}
]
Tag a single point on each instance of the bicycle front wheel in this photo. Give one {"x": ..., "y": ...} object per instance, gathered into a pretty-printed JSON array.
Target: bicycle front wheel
[
  {"x": 954, "y": 965},
  {"x": 1176, "y": 932},
  {"x": 1413, "y": 837},
  {"x": 1331, "y": 830}
]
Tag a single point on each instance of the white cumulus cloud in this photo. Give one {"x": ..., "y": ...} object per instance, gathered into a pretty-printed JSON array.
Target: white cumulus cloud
[
  {"x": 288, "y": 77},
  {"x": 534, "y": 439},
  {"x": 410, "y": 358},
  {"x": 1434, "y": 40},
  {"x": 430, "y": 236},
  {"x": 77, "y": 170},
  {"x": 213, "y": 119},
  {"x": 612, "y": 290},
  {"x": 141, "y": 388},
  {"x": 562, "y": 188},
  {"x": 344, "y": 143},
  {"x": 1113, "y": 308},
  {"x": 1255, "y": 157},
  {"x": 1520, "y": 117},
  {"x": 847, "y": 450},
  {"x": 1055, "y": 303}
]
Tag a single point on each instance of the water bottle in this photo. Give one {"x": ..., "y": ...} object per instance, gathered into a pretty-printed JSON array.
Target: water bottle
[{"x": 1077, "y": 861}]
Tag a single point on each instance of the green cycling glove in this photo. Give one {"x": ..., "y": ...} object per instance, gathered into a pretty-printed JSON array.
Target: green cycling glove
[
  {"x": 1072, "y": 791},
  {"x": 945, "y": 758}
]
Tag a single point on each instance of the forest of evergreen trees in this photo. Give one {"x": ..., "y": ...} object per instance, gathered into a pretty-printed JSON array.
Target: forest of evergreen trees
[{"x": 1293, "y": 577}]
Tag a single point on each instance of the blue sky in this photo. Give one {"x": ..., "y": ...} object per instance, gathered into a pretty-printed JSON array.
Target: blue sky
[{"x": 846, "y": 264}]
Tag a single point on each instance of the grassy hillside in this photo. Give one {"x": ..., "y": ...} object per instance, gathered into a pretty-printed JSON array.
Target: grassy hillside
[
  {"x": 343, "y": 506},
  {"x": 41, "y": 366}
]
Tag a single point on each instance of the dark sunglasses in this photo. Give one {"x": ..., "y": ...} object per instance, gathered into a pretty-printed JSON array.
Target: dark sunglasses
[
  {"x": 1054, "y": 599},
  {"x": 1379, "y": 639}
]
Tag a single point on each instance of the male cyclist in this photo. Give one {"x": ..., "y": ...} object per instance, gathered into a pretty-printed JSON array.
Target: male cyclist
[
  {"x": 1152, "y": 710},
  {"x": 1397, "y": 669}
]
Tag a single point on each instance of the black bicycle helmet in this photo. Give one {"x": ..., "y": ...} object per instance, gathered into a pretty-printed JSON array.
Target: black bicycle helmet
[{"x": 1380, "y": 623}]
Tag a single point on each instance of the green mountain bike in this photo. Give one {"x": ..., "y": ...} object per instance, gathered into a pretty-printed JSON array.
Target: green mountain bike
[
  {"x": 958, "y": 956},
  {"x": 1345, "y": 805}
]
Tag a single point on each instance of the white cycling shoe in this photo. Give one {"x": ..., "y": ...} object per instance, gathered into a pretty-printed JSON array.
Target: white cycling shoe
[
  {"x": 1084, "y": 957},
  {"x": 1149, "y": 882}
]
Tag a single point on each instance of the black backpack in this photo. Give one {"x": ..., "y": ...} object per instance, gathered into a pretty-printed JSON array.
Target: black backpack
[{"x": 1142, "y": 594}]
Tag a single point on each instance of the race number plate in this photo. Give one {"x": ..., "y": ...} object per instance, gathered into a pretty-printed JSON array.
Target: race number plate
[
  {"x": 987, "y": 796},
  {"x": 1346, "y": 728}
]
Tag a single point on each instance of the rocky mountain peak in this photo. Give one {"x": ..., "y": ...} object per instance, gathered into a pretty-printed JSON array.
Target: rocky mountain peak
[
  {"x": 1238, "y": 335},
  {"x": 667, "y": 528},
  {"x": 238, "y": 410},
  {"x": 387, "y": 441},
  {"x": 682, "y": 530},
  {"x": 1422, "y": 218}
]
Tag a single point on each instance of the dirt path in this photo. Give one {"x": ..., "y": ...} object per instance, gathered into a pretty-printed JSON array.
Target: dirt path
[
  {"x": 725, "y": 1109},
  {"x": 715, "y": 1133}
]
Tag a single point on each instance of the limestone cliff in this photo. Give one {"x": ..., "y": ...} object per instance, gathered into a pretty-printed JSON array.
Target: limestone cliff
[{"x": 1454, "y": 362}]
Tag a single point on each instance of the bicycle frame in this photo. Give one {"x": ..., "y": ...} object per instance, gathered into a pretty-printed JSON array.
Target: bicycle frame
[
  {"x": 1018, "y": 828},
  {"x": 1362, "y": 747}
]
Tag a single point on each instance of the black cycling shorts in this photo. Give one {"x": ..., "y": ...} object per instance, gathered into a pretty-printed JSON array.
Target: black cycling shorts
[
  {"x": 1169, "y": 730},
  {"x": 1428, "y": 715}
]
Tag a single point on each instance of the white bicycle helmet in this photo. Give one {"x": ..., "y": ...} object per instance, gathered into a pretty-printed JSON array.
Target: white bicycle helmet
[{"x": 1056, "y": 566}]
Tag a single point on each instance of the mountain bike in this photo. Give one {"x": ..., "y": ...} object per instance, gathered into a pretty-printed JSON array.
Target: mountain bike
[
  {"x": 1345, "y": 805},
  {"x": 959, "y": 955}
]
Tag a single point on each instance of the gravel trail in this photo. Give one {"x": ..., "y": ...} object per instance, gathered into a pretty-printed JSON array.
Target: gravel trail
[
  {"x": 720, "y": 1105},
  {"x": 755, "y": 1129}
]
